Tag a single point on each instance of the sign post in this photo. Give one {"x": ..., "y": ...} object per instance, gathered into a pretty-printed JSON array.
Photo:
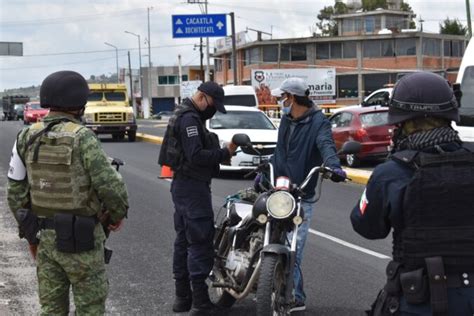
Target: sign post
[{"x": 199, "y": 25}]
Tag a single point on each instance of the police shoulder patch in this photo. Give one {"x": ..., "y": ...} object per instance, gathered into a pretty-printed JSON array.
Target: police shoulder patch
[
  {"x": 363, "y": 202},
  {"x": 192, "y": 131}
]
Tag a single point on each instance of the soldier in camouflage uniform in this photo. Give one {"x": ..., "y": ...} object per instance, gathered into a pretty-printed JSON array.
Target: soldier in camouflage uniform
[{"x": 59, "y": 167}]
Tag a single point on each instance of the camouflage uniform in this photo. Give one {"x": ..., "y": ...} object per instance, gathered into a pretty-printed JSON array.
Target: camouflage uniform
[{"x": 85, "y": 271}]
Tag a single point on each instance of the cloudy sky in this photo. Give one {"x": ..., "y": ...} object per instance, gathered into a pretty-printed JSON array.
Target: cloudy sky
[{"x": 66, "y": 34}]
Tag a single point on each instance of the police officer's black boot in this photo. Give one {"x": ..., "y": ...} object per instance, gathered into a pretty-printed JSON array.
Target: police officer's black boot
[
  {"x": 202, "y": 305},
  {"x": 183, "y": 298}
]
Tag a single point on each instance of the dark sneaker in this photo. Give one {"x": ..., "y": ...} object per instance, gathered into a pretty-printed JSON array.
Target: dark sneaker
[
  {"x": 297, "y": 307},
  {"x": 182, "y": 304}
]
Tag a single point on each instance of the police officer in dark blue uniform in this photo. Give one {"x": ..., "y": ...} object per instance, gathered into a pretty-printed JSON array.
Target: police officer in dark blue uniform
[
  {"x": 425, "y": 193},
  {"x": 193, "y": 153}
]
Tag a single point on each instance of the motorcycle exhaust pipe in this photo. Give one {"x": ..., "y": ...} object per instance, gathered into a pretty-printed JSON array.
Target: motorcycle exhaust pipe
[{"x": 250, "y": 284}]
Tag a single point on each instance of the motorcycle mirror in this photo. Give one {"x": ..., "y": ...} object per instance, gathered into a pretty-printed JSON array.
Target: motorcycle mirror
[
  {"x": 242, "y": 140},
  {"x": 349, "y": 148}
]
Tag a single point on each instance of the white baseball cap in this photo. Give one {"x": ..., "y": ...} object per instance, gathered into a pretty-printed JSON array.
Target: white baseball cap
[{"x": 294, "y": 85}]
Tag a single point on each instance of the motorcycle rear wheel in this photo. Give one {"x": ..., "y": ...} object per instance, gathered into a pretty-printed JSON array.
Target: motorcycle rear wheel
[{"x": 271, "y": 286}]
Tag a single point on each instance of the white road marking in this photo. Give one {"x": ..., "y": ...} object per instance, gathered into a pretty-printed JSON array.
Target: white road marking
[{"x": 348, "y": 244}]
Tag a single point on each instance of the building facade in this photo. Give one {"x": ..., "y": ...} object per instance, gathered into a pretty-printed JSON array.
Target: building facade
[{"x": 372, "y": 50}]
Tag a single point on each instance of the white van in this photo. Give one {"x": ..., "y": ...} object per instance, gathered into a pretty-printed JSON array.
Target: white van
[
  {"x": 240, "y": 95},
  {"x": 466, "y": 79}
]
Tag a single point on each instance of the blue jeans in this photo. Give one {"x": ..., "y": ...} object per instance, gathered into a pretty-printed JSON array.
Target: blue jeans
[{"x": 307, "y": 208}]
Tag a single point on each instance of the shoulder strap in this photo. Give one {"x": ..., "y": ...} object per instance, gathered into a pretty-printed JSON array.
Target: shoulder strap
[
  {"x": 72, "y": 127},
  {"x": 407, "y": 157}
]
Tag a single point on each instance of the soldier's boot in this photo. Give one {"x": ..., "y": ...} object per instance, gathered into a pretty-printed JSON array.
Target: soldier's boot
[
  {"x": 202, "y": 305},
  {"x": 183, "y": 296}
]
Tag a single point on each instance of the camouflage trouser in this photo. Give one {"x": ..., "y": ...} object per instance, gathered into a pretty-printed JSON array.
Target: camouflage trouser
[{"x": 85, "y": 271}]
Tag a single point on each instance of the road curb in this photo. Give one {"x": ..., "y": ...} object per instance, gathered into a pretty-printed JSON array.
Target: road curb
[
  {"x": 357, "y": 176},
  {"x": 150, "y": 138}
]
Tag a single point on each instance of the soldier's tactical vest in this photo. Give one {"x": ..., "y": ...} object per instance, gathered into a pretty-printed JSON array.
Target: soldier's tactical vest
[
  {"x": 58, "y": 181},
  {"x": 438, "y": 211},
  {"x": 172, "y": 154}
]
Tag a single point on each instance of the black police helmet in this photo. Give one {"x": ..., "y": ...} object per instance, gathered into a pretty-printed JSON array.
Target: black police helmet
[
  {"x": 422, "y": 94},
  {"x": 66, "y": 90}
]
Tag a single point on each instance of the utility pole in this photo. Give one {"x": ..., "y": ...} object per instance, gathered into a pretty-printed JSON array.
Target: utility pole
[
  {"x": 205, "y": 2},
  {"x": 116, "y": 59},
  {"x": 150, "y": 95},
  {"x": 140, "y": 79},
  {"x": 201, "y": 55},
  {"x": 234, "y": 49},
  {"x": 131, "y": 84},
  {"x": 469, "y": 25},
  {"x": 180, "y": 79}
]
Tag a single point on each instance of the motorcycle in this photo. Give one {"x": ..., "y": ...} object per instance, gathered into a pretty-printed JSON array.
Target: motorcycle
[{"x": 251, "y": 243}]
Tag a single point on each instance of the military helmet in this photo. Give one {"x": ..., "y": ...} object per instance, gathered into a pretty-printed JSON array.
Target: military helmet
[
  {"x": 66, "y": 90},
  {"x": 422, "y": 94}
]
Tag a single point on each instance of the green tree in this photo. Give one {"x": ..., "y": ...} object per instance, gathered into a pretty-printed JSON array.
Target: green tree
[
  {"x": 370, "y": 5},
  {"x": 453, "y": 27},
  {"x": 326, "y": 24}
]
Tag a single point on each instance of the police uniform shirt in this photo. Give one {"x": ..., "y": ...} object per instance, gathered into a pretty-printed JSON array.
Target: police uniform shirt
[
  {"x": 381, "y": 204},
  {"x": 191, "y": 134}
]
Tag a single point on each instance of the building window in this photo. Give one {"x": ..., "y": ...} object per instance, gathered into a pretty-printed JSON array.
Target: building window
[
  {"x": 184, "y": 78},
  {"x": 347, "y": 86},
  {"x": 373, "y": 82},
  {"x": 254, "y": 57},
  {"x": 170, "y": 80},
  {"x": 369, "y": 24},
  {"x": 395, "y": 22},
  {"x": 372, "y": 48},
  {"x": 431, "y": 47},
  {"x": 285, "y": 53},
  {"x": 351, "y": 25},
  {"x": 405, "y": 47},
  {"x": 298, "y": 52},
  {"x": 336, "y": 50},
  {"x": 387, "y": 48},
  {"x": 229, "y": 61},
  {"x": 453, "y": 48},
  {"x": 270, "y": 53},
  {"x": 322, "y": 51},
  {"x": 218, "y": 64},
  {"x": 349, "y": 49}
]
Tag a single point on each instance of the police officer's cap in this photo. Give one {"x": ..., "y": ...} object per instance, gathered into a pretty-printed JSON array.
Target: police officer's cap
[
  {"x": 64, "y": 90},
  {"x": 213, "y": 90},
  {"x": 422, "y": 94}
]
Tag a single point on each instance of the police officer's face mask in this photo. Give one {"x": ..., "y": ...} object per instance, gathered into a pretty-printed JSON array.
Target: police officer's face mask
[{"x": 209, "y": 111}]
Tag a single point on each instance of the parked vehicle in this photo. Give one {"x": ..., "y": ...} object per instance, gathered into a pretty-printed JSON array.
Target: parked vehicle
[
  {"x": 108, "y": 111},
  {"x": 33, "y": 112},
  {"x": 19, "y": 109},
  {"x": 240, "y": 95},
  {"x": 378, "y": 97},
  {"x": 253, "y": 253},
  {"x": 8, "y": 105},
  {"x": 466, "y": 79},
  {"x": 367, "y": 125},
  {"x": 249, "y": 120}
]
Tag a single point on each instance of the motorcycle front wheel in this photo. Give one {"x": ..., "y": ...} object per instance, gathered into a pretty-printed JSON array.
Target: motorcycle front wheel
[{"x": 271, "y": 287}]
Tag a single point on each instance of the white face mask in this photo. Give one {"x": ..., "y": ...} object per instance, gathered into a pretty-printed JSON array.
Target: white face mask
[{"x": 285, "y": 109}]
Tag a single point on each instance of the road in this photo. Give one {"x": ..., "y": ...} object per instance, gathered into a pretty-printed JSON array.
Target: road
[{"x": 343, "y": 271}]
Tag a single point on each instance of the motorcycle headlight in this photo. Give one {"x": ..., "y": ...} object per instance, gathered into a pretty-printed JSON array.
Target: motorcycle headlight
[{"x": 281, "y": 204}]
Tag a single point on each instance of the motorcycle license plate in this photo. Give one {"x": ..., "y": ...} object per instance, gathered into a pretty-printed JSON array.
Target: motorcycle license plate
[{"x": 257, "y": 160}]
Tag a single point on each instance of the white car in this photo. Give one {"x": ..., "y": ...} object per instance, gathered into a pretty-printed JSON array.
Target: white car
[{"x": 250, "y": 121}]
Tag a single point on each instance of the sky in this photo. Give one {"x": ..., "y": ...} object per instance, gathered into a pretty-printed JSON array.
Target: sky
[{"x": 70, "y": 35}]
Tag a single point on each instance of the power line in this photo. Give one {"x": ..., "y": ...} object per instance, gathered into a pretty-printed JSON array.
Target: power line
[{"x": 97, "y": 51}]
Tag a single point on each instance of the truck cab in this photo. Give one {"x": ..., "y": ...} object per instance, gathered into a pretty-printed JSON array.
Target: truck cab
[{"x": 108, "y": 111}]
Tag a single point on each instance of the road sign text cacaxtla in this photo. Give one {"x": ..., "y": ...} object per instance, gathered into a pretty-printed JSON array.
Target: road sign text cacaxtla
[{"x": 199, "y": 25}]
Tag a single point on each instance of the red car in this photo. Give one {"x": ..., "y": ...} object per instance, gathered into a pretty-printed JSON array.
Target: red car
[
  {"x": 33, "y": 112},
  {"x": 367, "y": 125}
]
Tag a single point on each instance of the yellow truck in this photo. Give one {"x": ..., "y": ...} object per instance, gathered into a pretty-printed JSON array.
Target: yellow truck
[{"x": 108, "y": 111}]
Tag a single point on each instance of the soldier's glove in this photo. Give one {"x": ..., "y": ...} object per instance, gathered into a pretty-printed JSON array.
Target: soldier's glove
[
  {"x": 338, "y": 175},
  {"x": 116, "y": 227}
]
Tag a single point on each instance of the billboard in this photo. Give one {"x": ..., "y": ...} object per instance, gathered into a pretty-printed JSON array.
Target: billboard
[{"x": 321, "y": 83}]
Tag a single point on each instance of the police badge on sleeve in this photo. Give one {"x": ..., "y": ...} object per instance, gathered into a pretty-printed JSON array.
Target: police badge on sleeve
[{"x": 17, "y": 170}]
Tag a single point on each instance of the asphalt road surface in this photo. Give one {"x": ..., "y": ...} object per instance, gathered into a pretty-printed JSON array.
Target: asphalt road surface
[{"x": 343, "y": 272}]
